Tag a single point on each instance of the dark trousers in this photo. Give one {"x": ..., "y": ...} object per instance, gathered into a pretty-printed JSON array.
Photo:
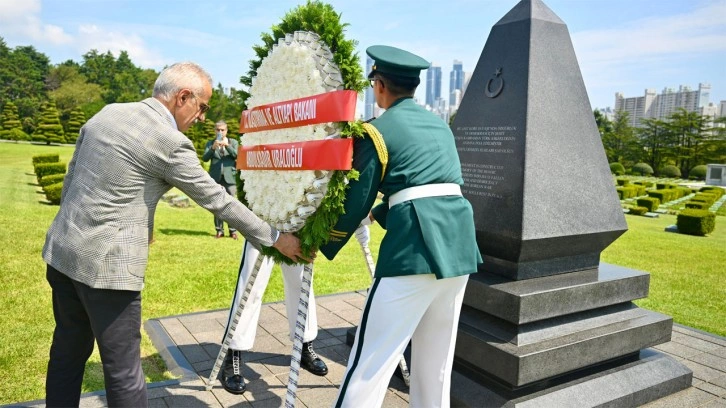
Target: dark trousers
[
  {"x": 218, "y": 222},
  {"x": 113, "y": 319}
]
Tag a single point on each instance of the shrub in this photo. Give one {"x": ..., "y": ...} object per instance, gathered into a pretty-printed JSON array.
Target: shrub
[
  {"x": 696, "y": 222},
  {"x": 53, "y": 193},
  {"x": 16, "y": 134},
  {"x": 713, "y": 190},
  {"x": 705, "y": 198},
  {"x": 643, "y": 169},
  {"x": 698, "y": 172},
  {"x": 664, "y": 195},
  {"x": 625, "y": 192},
  {"x": 639, "y": 190},
  {"x": 638, "y": 210},
  {"x": 622, "y": 182},
  {"x": 670, "y": 171},
  {"x": 663, "y": 186},
  {"x": 51, "y": 179},
  {"x": 617, "y": 168},
  {"x": 697, "y": 205},
  {"x": 650, "y": 203},
  {"x": 46, "y": 158},
  {"x": 44, "y": 169}
]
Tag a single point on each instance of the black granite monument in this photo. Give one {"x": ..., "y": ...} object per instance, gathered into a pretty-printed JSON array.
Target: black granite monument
[{"x": 544, "y": 323}]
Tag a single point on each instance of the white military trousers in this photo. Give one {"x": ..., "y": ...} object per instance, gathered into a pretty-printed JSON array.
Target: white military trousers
[
  {"x": 244, "y": 336},
  {"x": 416, "y": 307}
]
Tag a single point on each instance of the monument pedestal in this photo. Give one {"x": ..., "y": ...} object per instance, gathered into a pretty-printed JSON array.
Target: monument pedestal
[
  {"x": 544, "y": 323},
  {"x": 631, "y": 382}
]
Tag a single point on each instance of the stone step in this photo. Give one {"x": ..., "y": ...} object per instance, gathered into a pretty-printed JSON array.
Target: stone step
[
  {"x": 546, "y": 354},
  {"x": 653, "y": 375},
  {"x": 530, "y": 300}
]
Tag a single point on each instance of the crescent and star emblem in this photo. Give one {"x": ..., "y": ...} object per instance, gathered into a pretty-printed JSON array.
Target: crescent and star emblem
[{"x": 488, "y": 90}]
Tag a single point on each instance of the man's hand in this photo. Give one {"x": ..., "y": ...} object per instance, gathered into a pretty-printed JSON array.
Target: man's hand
[
  {"x": 363, "y": 235},
  {"x": 289, "y": 245}
]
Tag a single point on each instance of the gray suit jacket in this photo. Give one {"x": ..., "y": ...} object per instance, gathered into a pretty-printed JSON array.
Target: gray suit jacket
[{"x": 127, "y": 156}]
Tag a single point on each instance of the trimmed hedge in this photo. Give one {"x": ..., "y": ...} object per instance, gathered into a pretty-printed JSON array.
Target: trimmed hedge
[
  {"x": 53, "y": 193},
  {"x": 713, "y": 190},
  {"x": 638, "y": 210},
  {"x": 617, "y": 168},
  {"x": 650, "y": 203},
  {"x": 622, "y": 182},
  {"x": 696, "y": 222},
  {"x": 698, "y": 172},
  {"x": 52, "y": 179},
  {"x": 626, "y": 192},
  {"x": 697, "y": 205},
  {"x": 670, "y": 171},
  {"x": 46, "y": 158},
  {"x": 45, "y": 169},
  {"x": 643, "y": 169}
]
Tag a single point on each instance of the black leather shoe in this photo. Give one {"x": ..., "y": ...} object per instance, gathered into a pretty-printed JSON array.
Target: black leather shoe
[
  {"x": 232, "y": 380},
  {"x": 310, "y": 361}
]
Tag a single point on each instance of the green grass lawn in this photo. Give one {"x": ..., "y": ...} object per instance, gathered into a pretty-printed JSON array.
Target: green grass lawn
[{"x": 190, "y": 271}]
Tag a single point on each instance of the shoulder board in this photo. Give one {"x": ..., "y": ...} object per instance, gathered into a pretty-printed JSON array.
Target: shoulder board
[{"x": 380, "y": 145}]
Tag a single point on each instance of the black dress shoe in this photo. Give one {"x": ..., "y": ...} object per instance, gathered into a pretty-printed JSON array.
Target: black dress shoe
[
  {"x": 232, "y": 380},
  {"x": 310, "y": 361}
]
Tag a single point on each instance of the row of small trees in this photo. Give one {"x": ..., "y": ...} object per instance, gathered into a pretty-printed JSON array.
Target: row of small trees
[
  {"x": 48, "y": 129},
  {"x": 49, "y": 103},
  {"x": 683, "y": 141}
]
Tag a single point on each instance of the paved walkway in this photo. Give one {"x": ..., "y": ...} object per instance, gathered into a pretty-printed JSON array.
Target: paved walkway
[{"x": 190, "y": 343}]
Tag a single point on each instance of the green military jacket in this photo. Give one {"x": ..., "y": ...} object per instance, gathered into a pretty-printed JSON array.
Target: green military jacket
[
  {"x": 223, "y": 166},
  {"x": 426, "y": 235}
]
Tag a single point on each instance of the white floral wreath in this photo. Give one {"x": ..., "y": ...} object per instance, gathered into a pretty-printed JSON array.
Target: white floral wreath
[{"x": 299, "y": 65}]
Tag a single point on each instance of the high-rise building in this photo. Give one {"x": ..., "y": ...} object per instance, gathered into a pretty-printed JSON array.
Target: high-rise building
[
  {"x": 433, "y": 84},
  {"x": 660, "y": 106},
  {"x": 370, "y": 100},
  {"x": 456, "y": 83}
]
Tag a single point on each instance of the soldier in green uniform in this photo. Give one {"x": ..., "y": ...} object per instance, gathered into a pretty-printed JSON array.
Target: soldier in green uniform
[{"x": 429, "y": 248}]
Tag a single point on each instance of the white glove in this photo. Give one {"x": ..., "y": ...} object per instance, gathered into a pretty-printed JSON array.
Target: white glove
[{"x": 362, "y": 234}]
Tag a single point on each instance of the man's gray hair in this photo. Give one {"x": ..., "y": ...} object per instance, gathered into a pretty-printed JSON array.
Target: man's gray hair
[
  {"x": 221, "y": 122},
  {"x": 179, "y": 76}
]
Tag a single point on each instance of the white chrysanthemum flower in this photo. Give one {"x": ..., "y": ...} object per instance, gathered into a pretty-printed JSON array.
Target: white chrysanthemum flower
[{"x": 290, "y": 71}]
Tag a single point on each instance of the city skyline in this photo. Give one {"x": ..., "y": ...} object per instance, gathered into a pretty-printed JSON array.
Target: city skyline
[{"x": 621, "y": 45}]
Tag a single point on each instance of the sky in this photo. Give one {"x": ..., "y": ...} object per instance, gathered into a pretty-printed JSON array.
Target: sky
[{"x": 621, "y": 45}]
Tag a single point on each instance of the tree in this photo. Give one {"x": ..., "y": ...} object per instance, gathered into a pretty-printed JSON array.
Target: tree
[
  {"x": 689, "y": 132},
  {"x": 71, "y": 90},
  {"x": 9, "y": 117},
  {"x": 604, "y": 125},
  {"x": 49, "y": 128},
  {"x": 22, "y": 74},
  {"x": 653, "y": 139},
  {"x": 11, "y": 129},
  {"x": 620, "y": 142},
  {"x": 77, "y": 119}
]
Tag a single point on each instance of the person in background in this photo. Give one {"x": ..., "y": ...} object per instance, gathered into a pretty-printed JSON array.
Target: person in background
[
  {"x": 222, "y": 151},
  {"x": 126, "y": 157},
  {"x": 429, "y": 247},
  {"x": 244, "y": 335}
]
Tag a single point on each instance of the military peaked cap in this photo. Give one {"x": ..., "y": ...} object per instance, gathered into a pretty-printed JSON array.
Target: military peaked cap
[{"x": 395, "y": 61}]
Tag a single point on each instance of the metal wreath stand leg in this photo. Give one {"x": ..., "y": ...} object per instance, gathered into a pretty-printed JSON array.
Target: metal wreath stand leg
[
  {"x": 233, "y": 324},
  {"x": 302, "y": 314},
  {"x": 372, "y": 269}
]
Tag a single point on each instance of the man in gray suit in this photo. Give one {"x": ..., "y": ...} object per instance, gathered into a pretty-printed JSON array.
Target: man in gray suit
[
  {"x": 127, "y": 156},
  {"x": 222, "y": 151}
]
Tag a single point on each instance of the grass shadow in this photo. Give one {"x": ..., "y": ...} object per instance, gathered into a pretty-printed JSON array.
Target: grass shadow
[
  {"x": 153, "y": 366},
  {"x": 175, "y": 231}
]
